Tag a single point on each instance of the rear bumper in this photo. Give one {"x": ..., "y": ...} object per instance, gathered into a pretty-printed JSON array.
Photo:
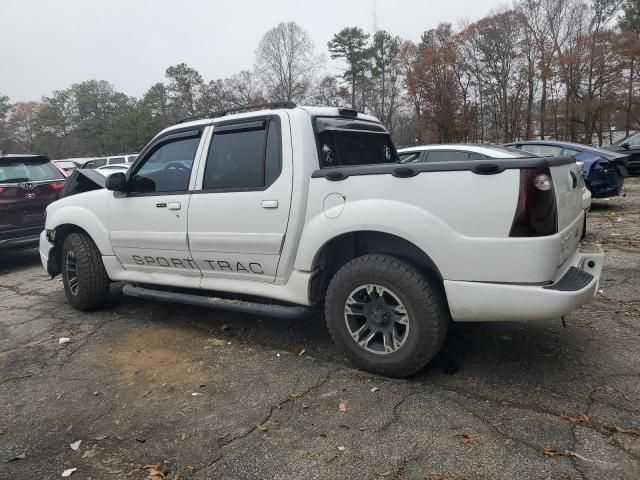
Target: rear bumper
[
  {"x": 20, "y": 237},
  {"x": 576, "y": 282}
]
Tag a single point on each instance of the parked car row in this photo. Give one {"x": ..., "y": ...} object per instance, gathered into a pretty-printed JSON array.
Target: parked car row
[
  {"x": 117, "y": 160},
  {"x": 603, "y": 171},
  {"x": 463, "y": 152}
]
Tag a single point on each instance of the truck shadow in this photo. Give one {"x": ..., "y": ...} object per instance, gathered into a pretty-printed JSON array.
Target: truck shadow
[
  {"x": 485, "y": 349},
  {"x": 19, "y": 259}
]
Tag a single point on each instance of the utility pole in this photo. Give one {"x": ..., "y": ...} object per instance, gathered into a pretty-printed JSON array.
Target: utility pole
[{"x": 375, "y": 16}]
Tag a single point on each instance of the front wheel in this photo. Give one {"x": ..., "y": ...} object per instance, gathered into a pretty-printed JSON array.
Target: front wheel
[
  {"x": 386, "y": 316},
  {"x": 85, "y": 280}
]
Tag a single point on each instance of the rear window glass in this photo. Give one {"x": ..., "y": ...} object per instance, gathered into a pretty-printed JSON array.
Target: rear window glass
[
  {"x": 542, "y": 150},
  {"x": 447, "y": 156},
  {"x": 116, "y": 160},
  {"x": 343, "y": 148},
  {"x": 16, "y": 171},
  {"x": 409, "y": 157}
]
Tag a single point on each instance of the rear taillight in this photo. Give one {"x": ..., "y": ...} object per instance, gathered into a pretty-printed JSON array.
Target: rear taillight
[
  {"x": 57, "y": 186},
  {"x": 536, "y": 213},
  {"x": 2, "y": 189}
]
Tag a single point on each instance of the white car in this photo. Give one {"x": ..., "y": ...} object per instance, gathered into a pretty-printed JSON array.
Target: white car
[
  {"x": 459, "y": 152},
  {"x": 109, "y": 169},
  {"x": 305, "y": 206},
  {"x": 106, "y": 161}
]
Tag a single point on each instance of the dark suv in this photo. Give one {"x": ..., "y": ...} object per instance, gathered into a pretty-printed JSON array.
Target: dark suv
[{"x": 28, "y": 183}]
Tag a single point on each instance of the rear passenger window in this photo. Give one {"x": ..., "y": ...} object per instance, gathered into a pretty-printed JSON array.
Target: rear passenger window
[
  {"x": 447, "y": 156},
  {"x": 243, "y": 156},
  {"x": 476, "y": 156}
]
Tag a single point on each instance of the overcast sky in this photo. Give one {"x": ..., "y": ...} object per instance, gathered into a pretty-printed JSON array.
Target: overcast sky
[{"x": 47, "y": 45}]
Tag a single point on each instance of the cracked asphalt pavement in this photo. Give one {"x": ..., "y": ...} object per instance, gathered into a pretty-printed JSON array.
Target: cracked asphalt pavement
[{"x": 170, "y": 390}]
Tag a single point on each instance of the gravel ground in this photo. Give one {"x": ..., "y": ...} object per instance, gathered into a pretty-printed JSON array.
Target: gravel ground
[{"x": 184, "y": 392}]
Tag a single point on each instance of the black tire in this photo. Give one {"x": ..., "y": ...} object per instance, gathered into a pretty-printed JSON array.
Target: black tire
[
  {"x": 422, "y": 298},
  {"x": 91, "y": 288}
]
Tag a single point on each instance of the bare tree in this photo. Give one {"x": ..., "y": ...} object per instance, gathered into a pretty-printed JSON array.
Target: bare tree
[{"x": 286, "y": 62}]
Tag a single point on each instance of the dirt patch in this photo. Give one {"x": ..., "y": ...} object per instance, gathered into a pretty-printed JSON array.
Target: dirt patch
[{"x": 167, "y": 355}]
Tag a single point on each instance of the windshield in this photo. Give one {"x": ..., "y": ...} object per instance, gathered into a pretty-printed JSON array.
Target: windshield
[
  {"x": 17, "y": 171},
  {"x": 69, "y": 165},
  {"x": 355, "y": 143}
]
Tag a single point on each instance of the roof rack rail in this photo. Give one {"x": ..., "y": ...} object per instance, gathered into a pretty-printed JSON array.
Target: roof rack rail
[{"x": 227, "y": 111}]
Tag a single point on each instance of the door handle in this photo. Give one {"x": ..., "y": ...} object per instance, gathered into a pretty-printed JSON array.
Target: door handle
[
  {"x": 269, "y": 203},
  {"x": 175, "y": 206}
]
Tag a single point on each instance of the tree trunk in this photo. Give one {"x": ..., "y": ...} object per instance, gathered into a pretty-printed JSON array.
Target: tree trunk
[
  {"x": 629, "y": 97},
  {"x": 543, "y": 95},
  {"x": 353, "y": 92}
]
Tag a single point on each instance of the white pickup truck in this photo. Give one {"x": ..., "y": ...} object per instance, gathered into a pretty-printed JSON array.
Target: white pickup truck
[{"x": 300, "y": 206}]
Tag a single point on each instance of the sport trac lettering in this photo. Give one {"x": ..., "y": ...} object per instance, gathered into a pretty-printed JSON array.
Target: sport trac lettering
[{"x": 188, "y": 263}]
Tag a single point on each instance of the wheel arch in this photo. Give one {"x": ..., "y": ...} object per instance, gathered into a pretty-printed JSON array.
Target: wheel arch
[
  {"x": 62, "y": 231},
  {"x": 339, "y": 250}
]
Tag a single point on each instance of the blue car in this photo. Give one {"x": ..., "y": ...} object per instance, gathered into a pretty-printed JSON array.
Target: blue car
[{"x": 603, "y": 170}]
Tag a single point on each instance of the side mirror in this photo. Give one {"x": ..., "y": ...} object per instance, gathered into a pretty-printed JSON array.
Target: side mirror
[
  {"x": 625, "y": 145},
  {"x": 116, "y": 182}
]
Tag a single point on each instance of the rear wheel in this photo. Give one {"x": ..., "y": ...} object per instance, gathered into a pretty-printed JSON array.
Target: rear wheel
[
  {"x": 85, "y": 280},
  {"x": 385, "y": 315}
]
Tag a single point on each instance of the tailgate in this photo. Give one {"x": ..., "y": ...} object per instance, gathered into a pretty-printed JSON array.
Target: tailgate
[
  {"x": 569, "y": 191},
  {"x": 568, "y": 188}
]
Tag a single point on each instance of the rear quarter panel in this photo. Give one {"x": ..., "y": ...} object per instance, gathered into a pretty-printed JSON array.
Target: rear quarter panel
[{"x": 460, "y": 219}]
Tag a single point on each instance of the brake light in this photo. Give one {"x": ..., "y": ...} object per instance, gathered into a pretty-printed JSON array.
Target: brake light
[
  {"x": 536, "y": 214},
  {"x": 2, "y": 189},
  {"x": 57, "y": 186}
]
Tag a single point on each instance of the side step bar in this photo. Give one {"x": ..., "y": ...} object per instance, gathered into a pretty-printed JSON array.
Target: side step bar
[{"x": 266, "y": 310}]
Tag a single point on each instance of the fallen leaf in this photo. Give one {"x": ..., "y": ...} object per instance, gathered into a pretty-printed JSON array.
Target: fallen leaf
[
  {"x": 552, "y": 452},
  {"x": 176, "y": 476},
  {"x": 385, "y": 473},
  {"x": 115, "y": 472},
  {"x": 373, "y": 389},
  {"x": 107, "y": 462},
  {"x": 89, "y": 454},
  {"x": 19, "y": 456},
  {"x": 341, "y": 448},
  {"x": 102, "y": 437},
  {"x": 628, "y": 431},
  {"x": 185, "y": 435},
  {"x": 582, "y": 418},
  {"x": 75, "y": 445},
  {"x": 332, "y": 457},
  {"x": 263, "y": 427},
  {"x": 68, "y": 472},
  {"x": 154, "y": 472},
  {"x": 466, "y": 438},
  {"x": 342, "y": 407}
]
